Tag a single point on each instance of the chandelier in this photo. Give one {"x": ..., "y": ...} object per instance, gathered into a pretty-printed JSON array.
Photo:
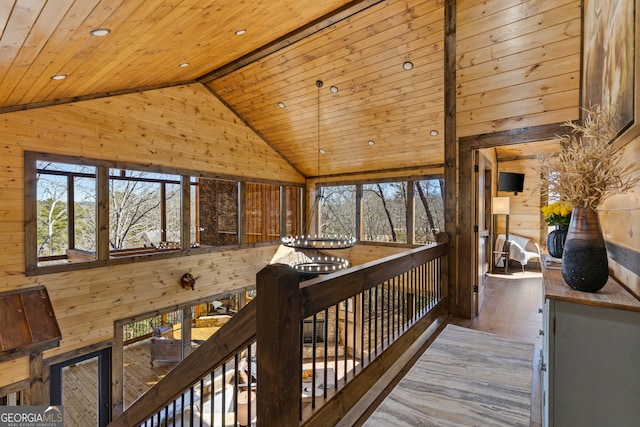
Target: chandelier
[
  {"x": 315, "y": 242},
  {"x": 310, "y": 261}
]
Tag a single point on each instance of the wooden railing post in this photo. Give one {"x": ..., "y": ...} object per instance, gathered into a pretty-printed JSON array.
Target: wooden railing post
[
  {"x": 444, "y": 267},
  {"x": 278, "y": 340}
]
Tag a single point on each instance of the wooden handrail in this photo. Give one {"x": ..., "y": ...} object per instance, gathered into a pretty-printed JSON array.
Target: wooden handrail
[
  {"x": 273, "y": 320},
  {"x": 233, "y": 336},
  {"x": 283, "y": 303},
  {"x": 317, "y": 296}
]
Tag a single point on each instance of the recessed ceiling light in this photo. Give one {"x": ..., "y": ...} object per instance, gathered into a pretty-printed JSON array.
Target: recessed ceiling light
[
  {"x": 59, "y": 77},
  {"x": 334, "y": 89},
  {"x": 371, "y": 142},
  {"x": 240, "y": 32},
  {"x": 433, "y": 132},
  {"x": 322, "y": 151},
  {"x": 408, "y": 65},
  {"x": 99, "y": 32},
  {"x": 281, "y": 104},
  {"x": 184, "y": 64}
]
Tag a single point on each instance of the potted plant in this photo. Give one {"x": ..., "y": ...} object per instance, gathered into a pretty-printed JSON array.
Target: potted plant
[
  {"x": 557, "y": 214},
  {"x": 585, "y": 173}
]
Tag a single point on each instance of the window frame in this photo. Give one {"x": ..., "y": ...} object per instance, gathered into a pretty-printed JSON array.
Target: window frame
[
  {"x": 410, "y": 210},
  {"x": 102, "y": 257}
]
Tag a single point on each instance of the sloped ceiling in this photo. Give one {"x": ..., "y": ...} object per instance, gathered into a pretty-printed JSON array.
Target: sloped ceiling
[
  {"x": 357, "y": 46},
  {"x": 382, "y": 117}
]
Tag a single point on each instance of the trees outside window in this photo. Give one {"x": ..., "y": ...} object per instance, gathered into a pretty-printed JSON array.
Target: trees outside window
[
  {"x": 65, "y": 210},
  {"x": 144, "y": 210},
  {"x": 69, "y": 199},
  {"x": 429, "y": 211},
  {"x": 337, "y": 210},
  {"x": 384, "y": 212}
]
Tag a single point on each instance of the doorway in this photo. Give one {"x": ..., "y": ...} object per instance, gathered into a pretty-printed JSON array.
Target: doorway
[
  {"x": 82, "y": 385},
  {"x": 482, "y": 205}
]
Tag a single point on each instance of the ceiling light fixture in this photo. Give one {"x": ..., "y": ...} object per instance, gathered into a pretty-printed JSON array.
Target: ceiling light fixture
[
  {"x": 99, "y": 32},
  {"x": 183, "y": 65},
  {"x": 408, "y": 65},
  {"x": 434, "y": 132},
  {"x": 312, "y": 263},
  {"x": 59, "y": 77},
  {"x": 334, "y": 89},
  {"x": 371, "y": 142},
  {"x": 281, "y": 104},
  {"x": 241, "y": 32}
]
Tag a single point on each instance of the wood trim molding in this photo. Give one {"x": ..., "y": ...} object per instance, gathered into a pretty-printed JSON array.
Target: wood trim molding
[
  {"x": 89, "y": 97},
  {"x": 513, "y": 136},
  {"x": 626, "y": 257},
  {"x": 465, "y": 235},
  {"x": 451, "y": 152}
]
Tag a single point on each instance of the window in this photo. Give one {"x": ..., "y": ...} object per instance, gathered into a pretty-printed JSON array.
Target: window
[
  {"x": 337, "y": 206},
  {"x": 429, "y": 209},
  {"x": 384, "y": 212},
  {"x": 144, "y": 211},
  {"x": 93, "y": 213},
  {"x": 65, "y": 212},
  {"x": 403, "y": 211}
]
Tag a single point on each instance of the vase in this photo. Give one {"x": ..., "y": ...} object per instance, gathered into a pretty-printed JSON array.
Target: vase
[
  {"x": 585, "y": 266},
  {"x": 555, "y": 241}
]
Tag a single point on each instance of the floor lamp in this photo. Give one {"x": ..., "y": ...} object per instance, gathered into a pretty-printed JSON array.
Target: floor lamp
[{"x": 500, "y": 206}]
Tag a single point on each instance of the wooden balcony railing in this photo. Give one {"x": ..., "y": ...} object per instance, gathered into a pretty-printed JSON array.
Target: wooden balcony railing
[{"x": 302, "y": 353}]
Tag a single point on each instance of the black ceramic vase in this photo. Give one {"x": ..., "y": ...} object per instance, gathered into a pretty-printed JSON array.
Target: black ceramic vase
[
  {"x": 585, "y": 266},
  {"x": 555, "y": 241}
]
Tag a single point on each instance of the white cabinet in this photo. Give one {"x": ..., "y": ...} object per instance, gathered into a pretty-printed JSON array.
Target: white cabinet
[{"x": 590, "y": 356}]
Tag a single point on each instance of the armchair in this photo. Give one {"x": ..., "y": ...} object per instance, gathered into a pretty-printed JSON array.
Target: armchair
[{"x": 521, "y": 249}]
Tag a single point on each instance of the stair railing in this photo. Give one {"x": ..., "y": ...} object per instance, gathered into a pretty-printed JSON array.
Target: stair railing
[{"x": 270, "y": 362}]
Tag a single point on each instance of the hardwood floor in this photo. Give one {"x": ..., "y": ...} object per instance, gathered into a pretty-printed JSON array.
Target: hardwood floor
[
  {"x": 465, "y": 378},
  {"x": 511, "y": 310}
]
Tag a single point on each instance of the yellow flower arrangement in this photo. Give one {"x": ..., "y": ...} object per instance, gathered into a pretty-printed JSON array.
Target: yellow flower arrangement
[{"x": 558, "y": 213}]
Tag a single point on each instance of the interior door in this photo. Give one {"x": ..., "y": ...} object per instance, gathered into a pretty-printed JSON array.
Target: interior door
[{"x": 483, "y": 222}]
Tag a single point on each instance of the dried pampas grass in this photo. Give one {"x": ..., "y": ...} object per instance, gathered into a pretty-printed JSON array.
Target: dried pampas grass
[{"x": 587, "y": 170}]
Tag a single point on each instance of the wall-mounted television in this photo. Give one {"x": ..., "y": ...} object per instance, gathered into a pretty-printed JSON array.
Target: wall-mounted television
[{"x": 510, "y": 181}]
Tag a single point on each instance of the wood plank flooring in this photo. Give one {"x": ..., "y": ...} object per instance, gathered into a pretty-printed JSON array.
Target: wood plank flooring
[
  {"x": 465, "y": 378},
  {"x": 511, "y": 309}
]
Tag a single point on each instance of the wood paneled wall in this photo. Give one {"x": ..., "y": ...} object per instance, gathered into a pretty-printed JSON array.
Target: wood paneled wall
[
  {"x": 620, "y": 221},
  {"x": 518, "y": 64},
  {"x": 183, "y": 127},
  {"x": 525, "y": 218}
]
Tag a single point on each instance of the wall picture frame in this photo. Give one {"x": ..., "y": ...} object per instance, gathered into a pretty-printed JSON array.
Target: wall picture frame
[{"x": 610, "y": 62}]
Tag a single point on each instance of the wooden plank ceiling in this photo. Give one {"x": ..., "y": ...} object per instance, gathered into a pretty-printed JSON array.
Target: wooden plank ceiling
[
  {"x": 358, "y": 46},
  {"x": 380, "y": 118}
]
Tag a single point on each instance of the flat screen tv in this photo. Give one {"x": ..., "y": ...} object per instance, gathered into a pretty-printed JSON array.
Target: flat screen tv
[{"x": 509, "y": 181}]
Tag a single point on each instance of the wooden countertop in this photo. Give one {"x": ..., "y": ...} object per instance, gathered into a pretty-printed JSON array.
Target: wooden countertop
[{"x": 612, "y": 295}]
